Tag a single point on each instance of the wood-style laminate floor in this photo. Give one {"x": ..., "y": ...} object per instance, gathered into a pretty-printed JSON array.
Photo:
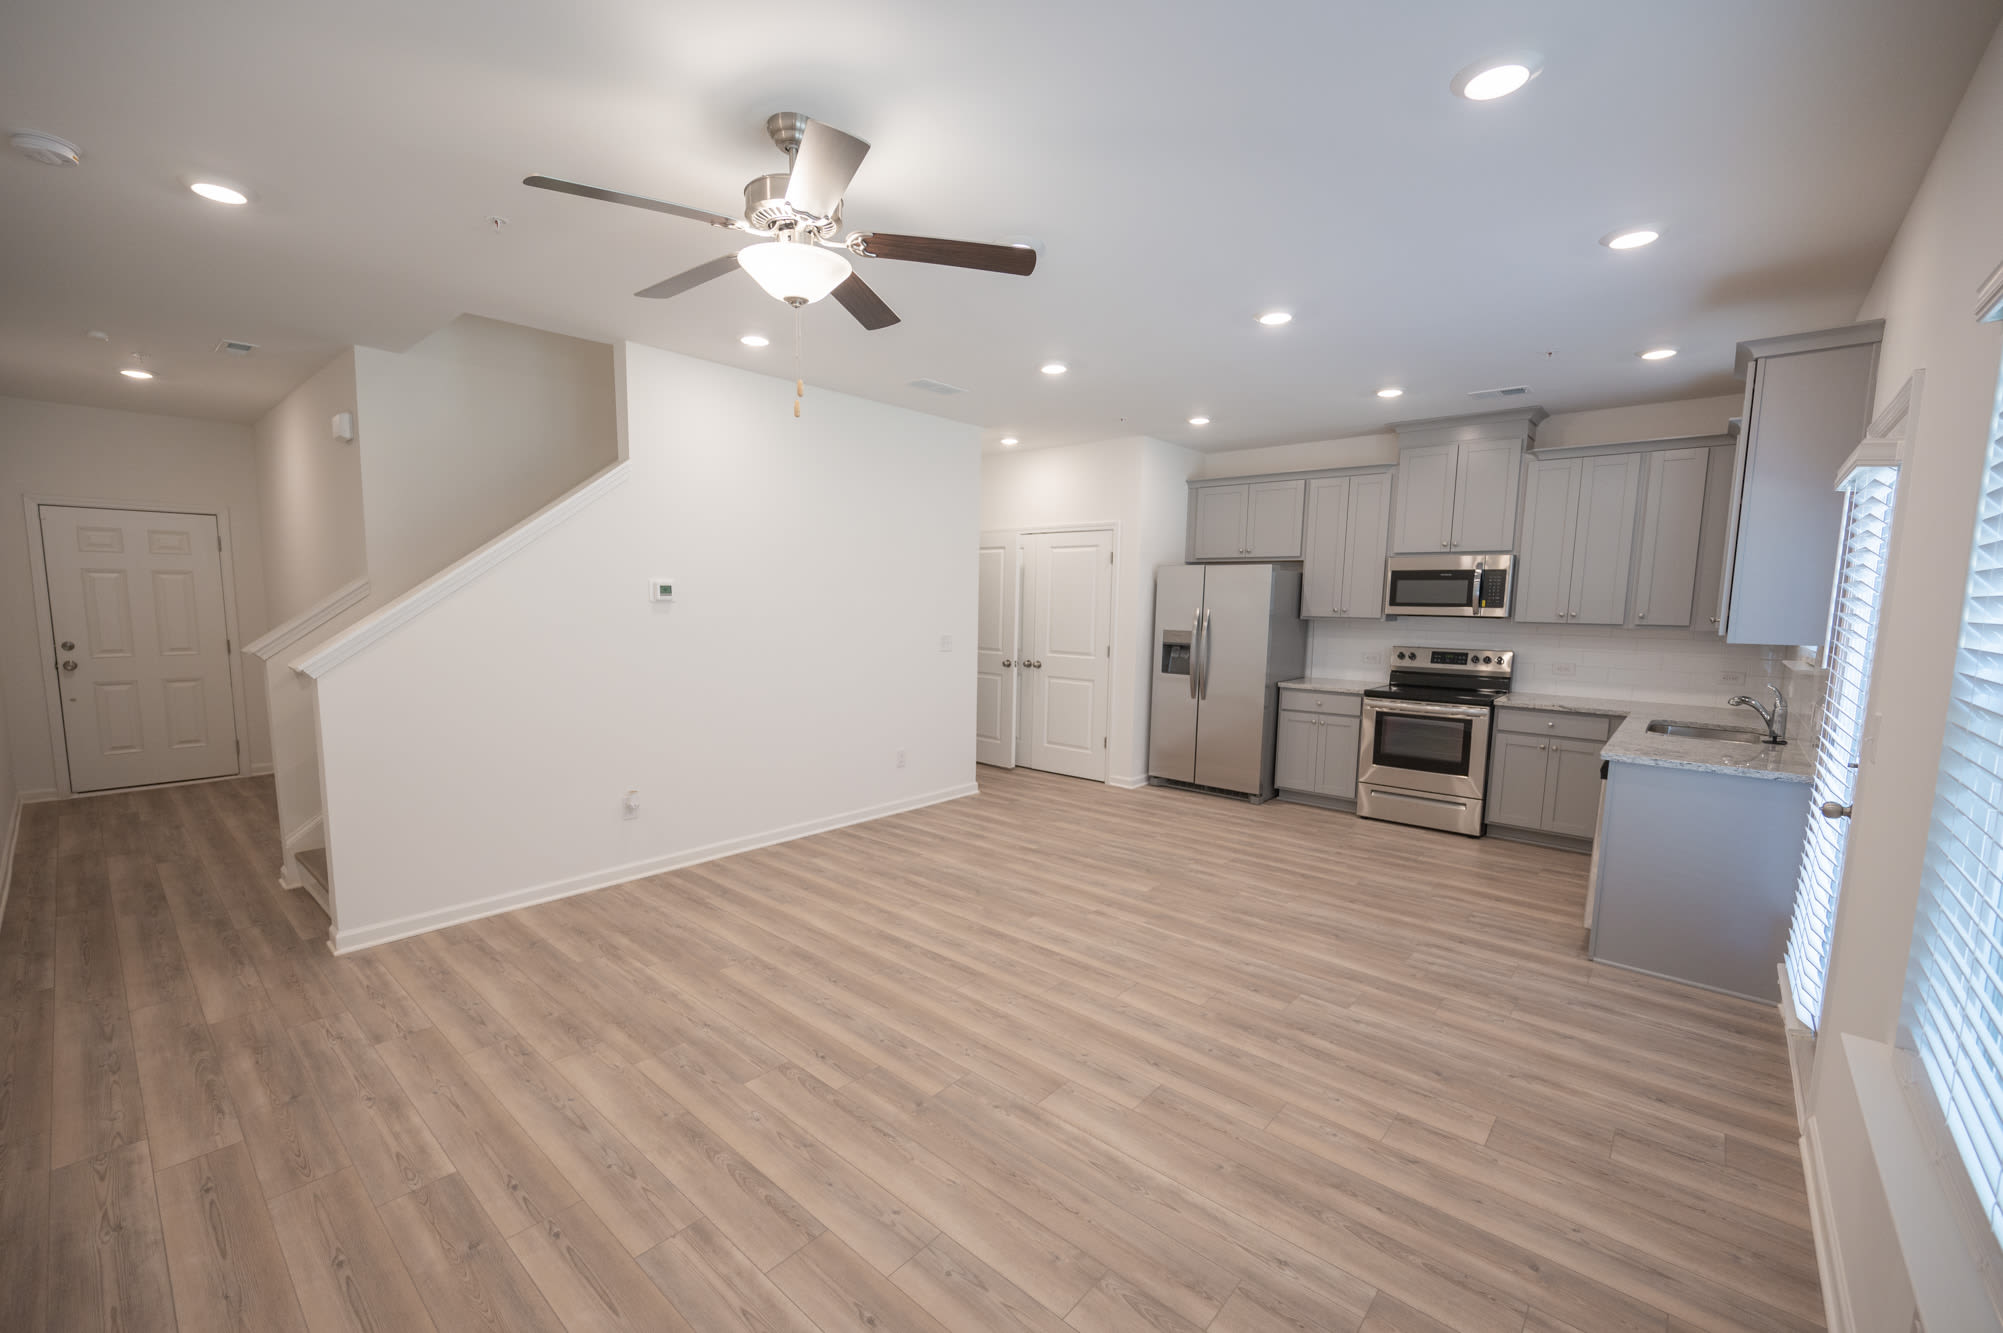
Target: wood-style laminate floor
[{"x": 1057, "y": 1057}]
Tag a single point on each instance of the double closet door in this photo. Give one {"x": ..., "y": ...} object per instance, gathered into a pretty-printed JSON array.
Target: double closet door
[{"x": 1044, "y": 646}]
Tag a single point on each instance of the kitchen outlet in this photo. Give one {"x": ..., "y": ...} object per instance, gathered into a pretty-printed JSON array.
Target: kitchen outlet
[
  {"x": 629, "y": 807},
  {"x": 1375, "y": 657},
  {"x": 1564, "y": 668},
  {"x": 945, "y": 643},
  {"x": 1732, "y": 678},
  {"x": 900, "y": 758}
]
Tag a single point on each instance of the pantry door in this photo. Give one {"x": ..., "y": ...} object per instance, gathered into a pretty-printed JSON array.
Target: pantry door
[
  {"x": 995, "y": 670},
  {"x": 1067, "y": 649},
  {"x": 140, "y": 650}
]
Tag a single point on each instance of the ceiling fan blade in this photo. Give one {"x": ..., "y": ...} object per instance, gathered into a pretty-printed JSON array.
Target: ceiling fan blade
[
  {"x": 861, "y": 301},
  {"x": 694, "y": 277},
  {"x": 1017, "y": 259},
  {"x": 822, "y": 168},
  {"x": 630, "y": 200}
]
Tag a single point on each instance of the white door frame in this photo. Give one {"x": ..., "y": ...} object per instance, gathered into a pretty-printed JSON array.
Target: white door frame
[
  {"x": 1112, "y": 613},
  {"x": 45, "y": 623}
]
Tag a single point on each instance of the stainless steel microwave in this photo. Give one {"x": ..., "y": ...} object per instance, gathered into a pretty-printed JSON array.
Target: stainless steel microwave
[{"x": 1447, "y": 585}]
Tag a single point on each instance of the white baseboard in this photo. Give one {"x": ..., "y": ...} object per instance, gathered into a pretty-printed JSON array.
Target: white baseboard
[
  {"x": 261, "y": 770},
  {"x": 1128, "y": 783},
  {"x": 42, "y": 794},
  {"x": 363, "y": 937},
  {"x": 1828, "y": 1253},
  {"x": 7, "y": 846}
]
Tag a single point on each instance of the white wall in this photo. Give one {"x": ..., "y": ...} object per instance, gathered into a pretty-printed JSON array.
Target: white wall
[
  {"x": 309, "y": 488},
  {"x": 476, "y": 757},
  {"x": 1138, "y": 484},
  {"x": 1925, "y": 293},
  {"x": 115, "y": 458},
  {"x": 469, "y": 432}
]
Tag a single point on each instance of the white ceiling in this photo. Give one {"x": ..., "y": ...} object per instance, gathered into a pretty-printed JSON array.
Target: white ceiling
[{"x": 1182, "y": 166}]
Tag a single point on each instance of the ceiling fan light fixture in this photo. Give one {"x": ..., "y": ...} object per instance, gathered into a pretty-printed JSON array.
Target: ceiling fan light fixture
[{"x": 797, "y": 272}]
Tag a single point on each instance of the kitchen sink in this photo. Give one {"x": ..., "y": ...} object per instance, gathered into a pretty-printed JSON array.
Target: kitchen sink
[{"x": 1705, "y": 731}]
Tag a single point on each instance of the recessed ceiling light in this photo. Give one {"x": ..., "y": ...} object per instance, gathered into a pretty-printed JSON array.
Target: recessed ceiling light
[
  {"x": 1658, "y": 354},
  {"x": 219, "y": 194},
  {"x": 1630, "y": 240},
  {"x": 1390, "y": 393},
  {"x": 134, "y": 373},
  {"x": 755, "y": 340},
  {"x": 1275, "y": 318},
  {"x": 1054, "y": 367},
  {"x": 1009, "y": 441},
  {"x": 98, "y": 336},
  {"x": 1199, "y": 421},
  {"x": 1486, "y": 80}
]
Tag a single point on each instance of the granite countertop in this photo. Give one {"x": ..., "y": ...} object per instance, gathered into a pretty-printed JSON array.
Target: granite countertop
[
  {"x": 1634, "y": 743},
  {"x": 1573, "y": 703},
  {"x": 1333, "y": 684}
]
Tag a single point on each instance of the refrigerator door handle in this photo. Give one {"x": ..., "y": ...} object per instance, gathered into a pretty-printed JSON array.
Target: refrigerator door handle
[
  {"x": 1204, "y": 693},
  {"x": 1195, "y": 650}
]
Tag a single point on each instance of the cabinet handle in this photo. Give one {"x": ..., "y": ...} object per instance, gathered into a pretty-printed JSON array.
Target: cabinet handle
[
  {"x": 1714, "y": 620},
  {"x": 1642, "y": 616}
]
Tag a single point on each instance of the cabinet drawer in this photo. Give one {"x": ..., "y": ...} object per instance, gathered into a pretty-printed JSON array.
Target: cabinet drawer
[
  {"x": 1578, "y": 726},
  {"x": 1316, "y": 701}
]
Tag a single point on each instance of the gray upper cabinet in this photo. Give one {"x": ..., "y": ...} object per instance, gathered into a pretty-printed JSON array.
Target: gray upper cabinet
[
  {"x": 1808, "y": 404},
  {"x": 1578, "y": 535},
  {"x": 1458, "y": 480},
  {"x": 1672, "y": 524},
  {"x": 1348, "y": 526},
  {"x": 1247, "y": 520}
]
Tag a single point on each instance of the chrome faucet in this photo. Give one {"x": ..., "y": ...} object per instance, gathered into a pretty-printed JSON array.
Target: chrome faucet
[{"x": 1775, "y": 717}]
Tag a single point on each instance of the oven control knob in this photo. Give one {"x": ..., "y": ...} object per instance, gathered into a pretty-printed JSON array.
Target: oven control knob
[{"x": 1487, "y": 659}]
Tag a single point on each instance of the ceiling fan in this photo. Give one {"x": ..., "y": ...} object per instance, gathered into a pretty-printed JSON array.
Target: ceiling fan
[{"x": 800, "y": 211}]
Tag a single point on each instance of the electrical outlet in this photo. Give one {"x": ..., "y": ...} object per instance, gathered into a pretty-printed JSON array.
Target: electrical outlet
[
  {"x": 1375, "y": 657},
  {"x": 629, "y": 808},
  {"x": 1564, "y": 668},
  {"x": 900, "y": 758},
  {"x": 1732, "y": 678},
  {"x": 945, "y": 643}
]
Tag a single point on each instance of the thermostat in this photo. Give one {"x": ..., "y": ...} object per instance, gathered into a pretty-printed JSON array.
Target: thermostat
[{"x": 661, "y": 590}]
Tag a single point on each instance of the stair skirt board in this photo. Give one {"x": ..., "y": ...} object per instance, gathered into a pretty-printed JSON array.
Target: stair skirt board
[
  {"x": 312, "y": 833},
  {"x": 352, "y": 939}
]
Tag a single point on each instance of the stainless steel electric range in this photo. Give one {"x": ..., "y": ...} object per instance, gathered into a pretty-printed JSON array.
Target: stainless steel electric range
[{"x": 1424, "y": 748}]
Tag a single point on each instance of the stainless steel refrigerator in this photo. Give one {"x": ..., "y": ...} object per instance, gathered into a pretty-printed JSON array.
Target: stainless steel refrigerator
[{"x": 1225, "y": 637}]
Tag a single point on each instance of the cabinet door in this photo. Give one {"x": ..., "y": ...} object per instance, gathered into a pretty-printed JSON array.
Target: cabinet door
[
  {"x": 1337, "y": 776},
  {"x": 1323, "y": 573},
  {"x": 1298, "y": 753},
  {"x": 1543, "y": 592},
  {"x": 1425, "y": 499},
  {"x": 1273, "y": 524},
  {"x": 1485, "y": 478},
  {"x": 1369, "y": 533},
  {"x": 1672, "y": 521},
  {"x": 1603, "y": 539},
  {"x": 1516, "y": 780},
  {"x": 1572, "y": 787},
  {"x": 1220, "y": 523}
]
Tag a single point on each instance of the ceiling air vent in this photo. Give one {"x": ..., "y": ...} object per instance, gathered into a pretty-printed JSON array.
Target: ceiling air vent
[
  {"x": 937, "y": 386},
  {"x": 230, "y": 347},
  {"x": 1514, "y": 391}
]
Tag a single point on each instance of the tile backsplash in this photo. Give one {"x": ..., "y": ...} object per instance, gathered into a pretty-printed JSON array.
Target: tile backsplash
[{"x": 1600, "y": 661}]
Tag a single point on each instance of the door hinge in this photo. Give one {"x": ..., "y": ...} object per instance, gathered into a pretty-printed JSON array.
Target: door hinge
[
  {"x": 227, "y": 649},
  {"x": 1105, "y": 742},
  {"x": 219, "y": 541},
  {"x": 1112, "y": 557}
]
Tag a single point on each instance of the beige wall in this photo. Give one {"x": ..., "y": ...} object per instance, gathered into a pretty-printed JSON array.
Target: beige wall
[
  {"x": 309, "y": 487},
  {"x": 467, "y": 434},
  {"x": 1925, "y": 293},
  {"x": 106, "y": 457}
]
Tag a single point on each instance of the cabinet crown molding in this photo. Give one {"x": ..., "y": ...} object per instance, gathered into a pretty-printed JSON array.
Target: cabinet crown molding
[
  {"x": 1821, "y": 340},
  {"x": 1518, "y": 422}
]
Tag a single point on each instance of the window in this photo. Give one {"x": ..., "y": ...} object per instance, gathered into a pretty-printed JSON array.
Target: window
[
  {"x": 1953, "y": 1018},
  {"x": 1853, "y": 634}
]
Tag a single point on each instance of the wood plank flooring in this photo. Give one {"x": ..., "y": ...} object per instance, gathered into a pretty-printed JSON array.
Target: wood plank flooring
[{"x": 1056, "y": 1057}]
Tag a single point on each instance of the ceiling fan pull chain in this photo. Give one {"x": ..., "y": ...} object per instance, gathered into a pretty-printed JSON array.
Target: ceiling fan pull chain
[{"x": 799, "y": 358}]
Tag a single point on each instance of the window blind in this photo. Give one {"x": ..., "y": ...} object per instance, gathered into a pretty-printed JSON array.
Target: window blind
[
  {"x": 1953, "y": 1011},
  {"x": 1853, "y": 634}
]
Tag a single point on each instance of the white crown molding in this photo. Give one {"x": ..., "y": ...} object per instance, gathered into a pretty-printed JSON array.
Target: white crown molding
[
  {"x": 313, "y": 617},
  {"x": 1989, "y": 297},
  {"x": 359, "y": 636},
  {"x": 1822, "y": 340}
]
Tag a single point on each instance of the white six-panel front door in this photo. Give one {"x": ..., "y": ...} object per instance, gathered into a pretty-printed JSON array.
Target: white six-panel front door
[
  {"x": 141, "y": 651},
  {"x": 995, "y": 670},
  {"x": 1067, "y": 629}
]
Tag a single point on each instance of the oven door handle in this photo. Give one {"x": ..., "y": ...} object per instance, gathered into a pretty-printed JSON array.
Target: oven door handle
[{"x": 1464, "y": 711}]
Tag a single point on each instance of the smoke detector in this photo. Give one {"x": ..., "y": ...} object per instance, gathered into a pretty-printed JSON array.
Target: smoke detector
[{"x": 46, "y": 149}]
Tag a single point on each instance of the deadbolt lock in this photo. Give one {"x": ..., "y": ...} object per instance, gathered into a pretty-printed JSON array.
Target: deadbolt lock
[{"x": 68, "y": 647}]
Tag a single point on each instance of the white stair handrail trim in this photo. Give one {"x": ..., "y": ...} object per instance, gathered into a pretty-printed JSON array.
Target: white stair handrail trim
[
  {"x": 452, "y": 578},
  {"x": 313, "y": 617}
]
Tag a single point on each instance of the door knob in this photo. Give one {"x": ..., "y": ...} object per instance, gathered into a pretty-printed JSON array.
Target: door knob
[
  {"x": 1007, "y": 663},
  {"x": 1038, "y": 664},
  {"x": 1835, "y": 810},
  {"x": 69, "y": 664},
  {"x": 68, "y": 647}
]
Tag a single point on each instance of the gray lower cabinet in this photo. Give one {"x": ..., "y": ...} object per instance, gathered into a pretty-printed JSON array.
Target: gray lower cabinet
[
  {"x": 1544, "y": 771},
  {"x": 1317, "y": 753}
]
